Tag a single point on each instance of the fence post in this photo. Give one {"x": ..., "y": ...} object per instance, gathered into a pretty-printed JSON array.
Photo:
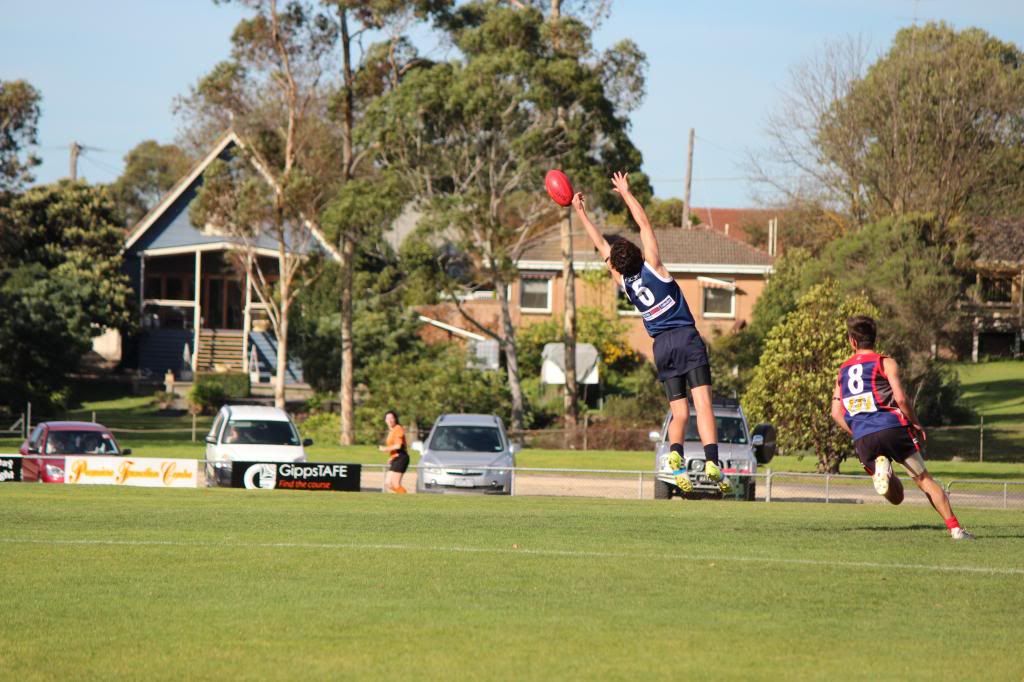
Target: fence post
[
  {"x": 828, "y": 480},
  {"x": 23, "y": 427},
  {"x": 512, "y": 484},
  {"x": 28, "y": 424},
  {"x": 94, "y": 416},
  {"x": 193, "y": 427},
  {"x": 768, "y": 486},
  {"x": 1006, "y": 487},
  {"x": 586, "y": 423},
  {"x": 640, "y": 487}
]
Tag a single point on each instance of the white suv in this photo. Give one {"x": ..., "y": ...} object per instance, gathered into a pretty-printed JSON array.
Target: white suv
[{"x": 244, "y": 433}]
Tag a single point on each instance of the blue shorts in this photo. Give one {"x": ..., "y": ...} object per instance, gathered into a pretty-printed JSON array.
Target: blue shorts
[{"x": 678, "y": 351}]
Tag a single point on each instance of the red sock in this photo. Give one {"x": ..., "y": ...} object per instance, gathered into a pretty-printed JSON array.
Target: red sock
[{"x": 952, "y": 523}]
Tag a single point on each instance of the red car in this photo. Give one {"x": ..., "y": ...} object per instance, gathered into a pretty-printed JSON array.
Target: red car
[{"x": 53, "y": 440}]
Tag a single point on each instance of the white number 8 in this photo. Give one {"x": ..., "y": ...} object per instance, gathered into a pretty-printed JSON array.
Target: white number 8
[
  {"x": 643, "y": 293},
  {"x": 856, "y": 379}
]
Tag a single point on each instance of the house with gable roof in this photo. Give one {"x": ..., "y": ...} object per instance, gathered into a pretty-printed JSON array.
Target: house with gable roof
[
  {"x": 721, "y": 278},
  {"x": 198, "y": 312}
]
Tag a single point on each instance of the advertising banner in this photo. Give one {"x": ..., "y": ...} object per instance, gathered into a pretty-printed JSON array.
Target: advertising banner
[
  {"x": 296, "y": 476},
  {"x": 10, "y": 469},
  {"x": 133, "y": 471}
]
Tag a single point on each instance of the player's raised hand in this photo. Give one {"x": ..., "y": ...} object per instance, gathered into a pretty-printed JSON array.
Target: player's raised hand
[
  {"x": 620, "y": 183},
  {"x": 579, "y": 203}
]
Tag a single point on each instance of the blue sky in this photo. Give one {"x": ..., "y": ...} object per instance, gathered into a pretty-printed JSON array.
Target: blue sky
[{"x": 109, "y": 71}]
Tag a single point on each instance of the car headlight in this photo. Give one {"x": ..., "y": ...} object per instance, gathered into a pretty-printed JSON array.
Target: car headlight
[{"x": 54, "y": 471}]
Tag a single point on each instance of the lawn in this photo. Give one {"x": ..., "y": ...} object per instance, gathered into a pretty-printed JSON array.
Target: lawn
[{"x": 104, "y": 582}]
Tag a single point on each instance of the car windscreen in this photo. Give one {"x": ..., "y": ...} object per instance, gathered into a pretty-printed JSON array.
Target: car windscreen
[
  {"x": 730, "y": 430},
  {"x": 466, "y": 439},
  {"x": 257, "y": 432},
  {"x": 80, "y": 443}
]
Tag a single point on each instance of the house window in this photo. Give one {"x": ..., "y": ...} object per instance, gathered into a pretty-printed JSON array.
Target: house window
[
  {"x": 720, "y": 299},
  {"x": 535, "y": 294},
  {"x": 154, "y": 287},
  {"x": 997, "y": 289}
]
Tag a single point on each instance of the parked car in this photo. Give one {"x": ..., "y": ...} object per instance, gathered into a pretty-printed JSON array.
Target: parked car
[
  {"x": 54, "y": 440},
  {"x": 740, "y": 450},
  {"x": 466, "y": 453},
  {"x": 247, "y": 433}
]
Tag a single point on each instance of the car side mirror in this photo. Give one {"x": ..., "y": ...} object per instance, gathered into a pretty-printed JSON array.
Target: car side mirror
[
  {"x": 763, "y": 441},
  {"x": 417, "y": 445},
  {"x": 307, "y": 442},
  {"x": 211, "y": 440},
  {"x": 515, "y": 448},
  {"x": 654, "y": 436},
  {"x": 33, "y": 450},
  {"x": 126, "y": 451}
]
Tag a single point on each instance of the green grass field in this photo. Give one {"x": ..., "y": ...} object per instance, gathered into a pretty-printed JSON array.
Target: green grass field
[{"x": 103, "y": 582}]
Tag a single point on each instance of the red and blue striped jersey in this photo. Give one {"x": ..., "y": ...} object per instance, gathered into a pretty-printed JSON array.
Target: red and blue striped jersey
[{"x": 867, "y": 395}]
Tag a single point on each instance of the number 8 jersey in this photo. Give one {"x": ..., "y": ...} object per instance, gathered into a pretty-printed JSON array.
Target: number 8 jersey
[
  {"x": 867, "y": 395},
  {"x": 659, "y": 301}
]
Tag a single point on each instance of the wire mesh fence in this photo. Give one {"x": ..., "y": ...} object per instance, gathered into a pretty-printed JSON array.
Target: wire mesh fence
[{"x": 767, "y": 486}]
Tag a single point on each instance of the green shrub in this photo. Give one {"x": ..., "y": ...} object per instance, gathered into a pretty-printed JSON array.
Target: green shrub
[
  {"x": 324, "y": 428},
  {"x": 210, "y": 391}
]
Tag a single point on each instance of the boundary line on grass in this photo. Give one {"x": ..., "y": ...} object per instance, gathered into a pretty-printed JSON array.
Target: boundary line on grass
[{"x": 533, "y": 552}]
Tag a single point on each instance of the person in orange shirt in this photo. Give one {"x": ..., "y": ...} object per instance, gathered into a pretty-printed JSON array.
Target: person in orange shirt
[{"x": 398, "y": 456}]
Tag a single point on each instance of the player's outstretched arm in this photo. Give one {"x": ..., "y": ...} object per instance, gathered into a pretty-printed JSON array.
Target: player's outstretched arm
[
  {"x": 838, "y": 411},
  {"x": 892, "y": 371},
  {"x": 620, "y": 184},
  {"x": 600, "y": 243}
]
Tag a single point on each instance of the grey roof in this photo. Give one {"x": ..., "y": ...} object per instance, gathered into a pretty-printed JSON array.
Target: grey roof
[
  {"x": 469, "y": 419},
  {"x": 1000, "y": 244},
  {"x": 697, "y": 246},
  {"x": 586, "y": 357}
]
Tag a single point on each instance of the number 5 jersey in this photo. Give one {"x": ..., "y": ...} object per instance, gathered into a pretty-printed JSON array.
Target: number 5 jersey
[
  {"x": 867, "y": 395},
  {"x": 659, "y": 301}
]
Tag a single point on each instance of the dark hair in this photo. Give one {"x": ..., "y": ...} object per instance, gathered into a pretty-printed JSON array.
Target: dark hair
[
  {"x": 394, "y": 414},
  {"x": 626, "y": 258},
  {"x": 863, "y": 330}
]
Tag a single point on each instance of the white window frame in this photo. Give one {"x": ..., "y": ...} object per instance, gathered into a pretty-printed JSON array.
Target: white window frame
[
  {"x": 544, "y": 310},
  {"x": 731, "y": 315}
]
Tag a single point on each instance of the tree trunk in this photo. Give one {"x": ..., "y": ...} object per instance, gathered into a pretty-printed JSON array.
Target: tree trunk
[
  {"x": 347, "y": 356},
  {"x": 508, "y": 346},
  {"x": 282, "y": 334},
  {"x": 569, "y": 335},
  {"x": 346, "y": 392}
]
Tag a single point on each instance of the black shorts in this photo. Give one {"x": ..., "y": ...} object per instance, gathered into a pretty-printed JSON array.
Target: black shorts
[
  {"x": 681, "y": 358},
  {"x": 400, "y": 463},
  {"x": 897, "y": 443}
]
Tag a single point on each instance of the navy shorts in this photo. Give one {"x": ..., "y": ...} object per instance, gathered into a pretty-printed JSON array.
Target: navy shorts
[
  {"x": 679, "y": 351},
  {"x": 897, "y": 443}
]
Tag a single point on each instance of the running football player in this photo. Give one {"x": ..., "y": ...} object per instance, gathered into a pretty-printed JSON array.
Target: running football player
[
  {"x": 679, "y": 351},
  {"x": 869, "y": 403}
]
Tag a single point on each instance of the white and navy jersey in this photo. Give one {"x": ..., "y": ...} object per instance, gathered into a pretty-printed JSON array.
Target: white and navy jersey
[{"x": 659, "y": 301}]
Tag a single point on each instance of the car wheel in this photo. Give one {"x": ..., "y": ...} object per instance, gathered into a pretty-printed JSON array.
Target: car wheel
[
  {"x": 751, "y": 492},
  {"x": 662, "y": 490}
]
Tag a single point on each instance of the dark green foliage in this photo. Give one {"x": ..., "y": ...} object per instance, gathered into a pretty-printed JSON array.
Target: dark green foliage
[
  {"x": 792, "y": 386},
  {"x": 60, "y": 284},
  {"x": 150, "y": 169},
  {"x": 422, "y": 386},
  {"x": 19, "y": 118},
  {"x": 210, "y": 391},
  {"x": 938, "y": 397}
]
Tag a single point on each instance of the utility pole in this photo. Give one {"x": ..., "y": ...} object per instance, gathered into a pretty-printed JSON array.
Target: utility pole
[
  {"x": 689, "y": 180},
  {"x": 75, "y": 151}
]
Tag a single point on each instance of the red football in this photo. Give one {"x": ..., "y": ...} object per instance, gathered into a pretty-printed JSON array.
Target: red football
[{"x": 559, "y": 188}]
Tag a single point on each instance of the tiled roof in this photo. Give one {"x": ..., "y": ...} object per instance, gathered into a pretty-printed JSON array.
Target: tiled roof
[
  {"x": 1000, "y": 243},
  {"x": 678, "y": 246},
  {"x": 736, "y": 218}
]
